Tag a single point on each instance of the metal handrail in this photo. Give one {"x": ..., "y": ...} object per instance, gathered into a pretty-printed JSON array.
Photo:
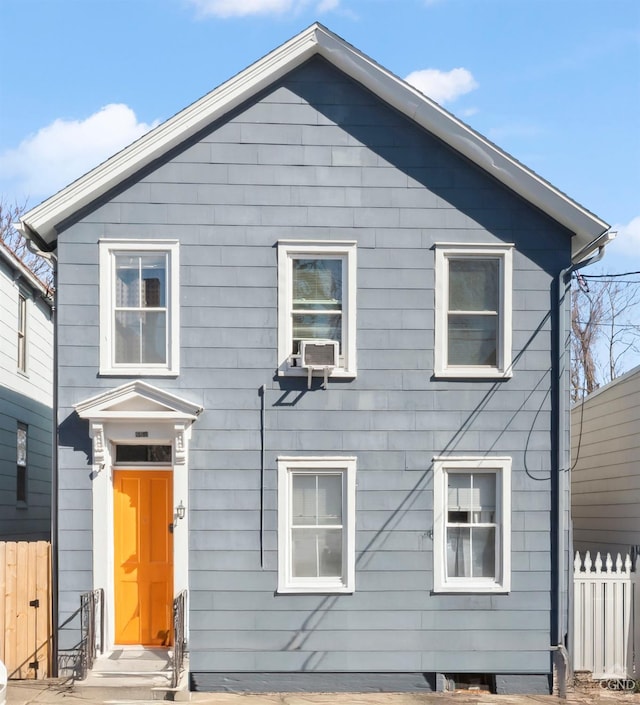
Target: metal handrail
[
  {"x": 91, "y": 635},
  {"x": 179, "y": 636}
]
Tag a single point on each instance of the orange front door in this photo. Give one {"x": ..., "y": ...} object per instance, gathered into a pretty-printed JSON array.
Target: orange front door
[{"x": 143, "y": 556}]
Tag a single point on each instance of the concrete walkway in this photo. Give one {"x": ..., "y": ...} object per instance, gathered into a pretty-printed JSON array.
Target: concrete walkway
[{"x": 54, "y": 692}]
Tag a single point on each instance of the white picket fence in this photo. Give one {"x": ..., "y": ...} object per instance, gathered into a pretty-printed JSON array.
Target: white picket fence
[{"x": 606, "y": 616}]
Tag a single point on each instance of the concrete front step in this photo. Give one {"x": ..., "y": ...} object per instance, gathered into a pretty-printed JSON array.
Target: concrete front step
[{"x": 132, "y": 675}]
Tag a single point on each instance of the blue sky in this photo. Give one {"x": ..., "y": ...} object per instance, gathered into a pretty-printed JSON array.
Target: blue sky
[{"x": 556, "y": 83}]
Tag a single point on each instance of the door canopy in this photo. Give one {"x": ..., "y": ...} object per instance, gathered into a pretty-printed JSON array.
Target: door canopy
[{"x": 139, "y": 402}]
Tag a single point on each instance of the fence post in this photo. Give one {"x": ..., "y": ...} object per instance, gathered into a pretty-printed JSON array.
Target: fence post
[{"x": 635, "y": 620}]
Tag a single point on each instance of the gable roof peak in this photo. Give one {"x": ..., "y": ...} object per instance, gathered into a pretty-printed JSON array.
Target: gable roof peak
[{"x": 41, "y": 223}]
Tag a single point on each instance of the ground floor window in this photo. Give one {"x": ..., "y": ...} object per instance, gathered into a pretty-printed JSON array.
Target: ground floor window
[
  {"x": 316, "y": 524},
  {"x": 472, "y": 524}
]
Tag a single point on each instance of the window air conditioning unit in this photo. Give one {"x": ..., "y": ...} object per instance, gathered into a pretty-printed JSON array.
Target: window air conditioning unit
[{"x": 319, "y": 355}]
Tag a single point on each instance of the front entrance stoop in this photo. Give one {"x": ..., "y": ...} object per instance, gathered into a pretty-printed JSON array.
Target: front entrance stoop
[{"x": 133, "y": 675}]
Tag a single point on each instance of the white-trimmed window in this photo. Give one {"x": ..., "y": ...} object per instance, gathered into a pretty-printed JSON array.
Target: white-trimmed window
[
  {"x": 316, "y": 302},
  {"x": 472, "y": 524},
  {"x": 316, "y": 524},
  {"x": 22, "y": 333},
  {"x": 139, "y": 307},
  {"x": 473, "y": 310},
  {"x": 21, "y": 464}
]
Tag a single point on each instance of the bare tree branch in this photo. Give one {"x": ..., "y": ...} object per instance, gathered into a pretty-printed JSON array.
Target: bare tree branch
[
  {"x": 18, "y": 244},
  {"x": 604, "y": 330}
]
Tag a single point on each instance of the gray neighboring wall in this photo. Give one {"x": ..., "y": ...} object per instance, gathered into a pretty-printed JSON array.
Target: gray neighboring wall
[
  {"x": 316, "y": 156},
  {"x": 605, "y": 476},
  {"x": 25, "y": 397}
]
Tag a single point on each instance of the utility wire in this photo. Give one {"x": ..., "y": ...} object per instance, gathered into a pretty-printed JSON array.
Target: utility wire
[{"x": 606, "y": 276}]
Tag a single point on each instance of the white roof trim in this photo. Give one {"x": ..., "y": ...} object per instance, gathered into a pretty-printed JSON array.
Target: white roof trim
[
  {"x": 99, "y": 407},
  {"x": 17, "y": 265},
  {"x": 46, "y": 217}
]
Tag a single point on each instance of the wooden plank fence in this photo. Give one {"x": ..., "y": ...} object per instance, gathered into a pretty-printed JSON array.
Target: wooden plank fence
[
  {"x": 606, "y": 616},
  {"x": 25, "y": 608}
]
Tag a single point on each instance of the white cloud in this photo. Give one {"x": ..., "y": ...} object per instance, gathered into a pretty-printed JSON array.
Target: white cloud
[
  {"x": 66, "y": 149},
  {"x": 327, "y": 6},
  {"x": 442, "y": 86},
  {"x": 243, "y": 8},
  {"x": 628, "y": 238}
]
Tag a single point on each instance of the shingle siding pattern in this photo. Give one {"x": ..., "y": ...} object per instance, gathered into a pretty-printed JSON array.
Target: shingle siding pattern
[{"x": 319, "y": 157}]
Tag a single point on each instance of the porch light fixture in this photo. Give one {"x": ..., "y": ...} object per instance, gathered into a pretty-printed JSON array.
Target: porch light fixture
[{"x": 180, "y": 510}]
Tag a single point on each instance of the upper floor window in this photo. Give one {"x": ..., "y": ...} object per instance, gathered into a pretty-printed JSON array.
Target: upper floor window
[
  {"x": 21, "y": 463},
  {"x": 22, "y": 333},
  {"x": 473, "y": 310},
  {"x": 472, "y": 524},
  {"x": 139, "y": 307},
  {"x": 316, "y": 305}
]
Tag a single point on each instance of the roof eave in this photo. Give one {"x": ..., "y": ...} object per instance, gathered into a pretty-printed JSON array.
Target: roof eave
[{"x": 44, "y": 219}]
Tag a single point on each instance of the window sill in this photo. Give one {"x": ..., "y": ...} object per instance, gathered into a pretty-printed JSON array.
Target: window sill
[
  {"x": 470, "y": 589},
  {"x": 336, "y": 373},
  {"x": 22, "y": 505},
  {"x": 472, "y": 373},
  {"x": 137, "y": 372},
  {"x": 316, "y": 590}
]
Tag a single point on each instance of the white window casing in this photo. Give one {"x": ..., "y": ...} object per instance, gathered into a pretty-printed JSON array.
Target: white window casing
[
  {"x": 322, "y": 318},
  {"x": 316, "y": 524},
  {"x": 158, "y": 316},
  {"x": 454, "y": 551},
  {"x": 458, "y": 319},
  {"x": 23, "y": 308}
]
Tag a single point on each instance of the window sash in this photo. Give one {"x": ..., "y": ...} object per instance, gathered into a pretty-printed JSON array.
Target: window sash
[
  {"x": 318, "y": 315},
  {"x": 473, "y": 331},
  {"x": 139, "y": 314},
  {"x": 22, "y": 333},
  {"x": 308, "y": 529},
  {"x": 470, "y": 516}
]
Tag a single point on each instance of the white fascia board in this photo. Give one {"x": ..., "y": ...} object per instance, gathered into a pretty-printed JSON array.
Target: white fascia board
[
  {"x": 435, "y": 119},
  {"x": 44, "y": 218},
  {"x": 17, "y": 265},
  {"x": 586, "y": 227}
]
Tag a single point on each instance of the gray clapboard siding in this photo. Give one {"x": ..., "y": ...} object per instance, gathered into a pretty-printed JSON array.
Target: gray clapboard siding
[{"x": 319, "y": 157}]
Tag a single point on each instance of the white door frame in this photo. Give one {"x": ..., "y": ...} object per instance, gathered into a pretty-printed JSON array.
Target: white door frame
[{"x": 136, "y": 414}]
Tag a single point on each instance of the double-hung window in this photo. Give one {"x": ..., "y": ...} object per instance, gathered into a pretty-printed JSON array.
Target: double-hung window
[
  {"x": 21, "y": 464},
  {"x": 471, "y": 532},
  {"x": 316, "y": 302},
  {"x": 473, "y": 310},
  {"x": 22, "y": 333},
  {"x": 316, "y": 524},
  {"x": 139, "y": 307}
]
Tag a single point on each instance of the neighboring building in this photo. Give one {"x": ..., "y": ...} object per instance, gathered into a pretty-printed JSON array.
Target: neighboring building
[
  {"x": 605, "y": 468},
  {"x": 309, "y": 372},
  {"x": 26, "y": 392}
]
